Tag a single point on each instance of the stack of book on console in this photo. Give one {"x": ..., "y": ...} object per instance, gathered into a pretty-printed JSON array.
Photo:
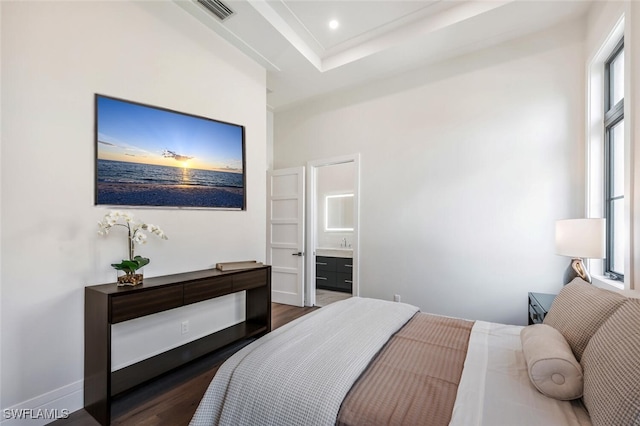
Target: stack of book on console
[{"x": 234, "y": 266}]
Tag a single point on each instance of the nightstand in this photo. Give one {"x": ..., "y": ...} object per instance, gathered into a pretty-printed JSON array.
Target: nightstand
[{"x": 539, "y": 305}]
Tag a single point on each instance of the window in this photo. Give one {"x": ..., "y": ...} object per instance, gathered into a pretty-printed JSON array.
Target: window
[{"x": 614, "y": 162}]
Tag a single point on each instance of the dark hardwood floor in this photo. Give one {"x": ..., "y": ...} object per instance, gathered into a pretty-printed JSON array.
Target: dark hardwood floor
[{"x": 172, "y": 399}]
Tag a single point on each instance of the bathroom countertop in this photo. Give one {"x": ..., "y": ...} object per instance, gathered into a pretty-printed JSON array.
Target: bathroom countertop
[{"x": 335, "y": 252}]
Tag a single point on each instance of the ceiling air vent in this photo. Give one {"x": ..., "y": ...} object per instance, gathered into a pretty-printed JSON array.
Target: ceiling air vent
[{"x": 218, "y": 8}]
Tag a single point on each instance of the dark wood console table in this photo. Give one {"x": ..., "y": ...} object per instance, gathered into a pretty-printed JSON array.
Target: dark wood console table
[{"x": 108, "y": 304}]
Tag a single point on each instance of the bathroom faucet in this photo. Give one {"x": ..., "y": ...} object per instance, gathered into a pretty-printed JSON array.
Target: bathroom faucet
[{"x": 344, "y": 242}]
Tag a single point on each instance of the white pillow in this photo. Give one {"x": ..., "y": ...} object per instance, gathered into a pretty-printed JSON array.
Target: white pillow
[{"x": 552, "y": 367}]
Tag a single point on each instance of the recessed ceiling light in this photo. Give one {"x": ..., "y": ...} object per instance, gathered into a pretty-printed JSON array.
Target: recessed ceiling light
[{"x": 333, "y": 24}]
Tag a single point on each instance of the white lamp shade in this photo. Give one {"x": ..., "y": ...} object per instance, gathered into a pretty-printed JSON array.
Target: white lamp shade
[{"x": 581, "y": 238}]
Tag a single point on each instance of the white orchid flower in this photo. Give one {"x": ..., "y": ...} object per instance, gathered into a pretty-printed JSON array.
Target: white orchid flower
[
  {"x": 139, "y": 237},
  {"x": 134, "y": 229}
]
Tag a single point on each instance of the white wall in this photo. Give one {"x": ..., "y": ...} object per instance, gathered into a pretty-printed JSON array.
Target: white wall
[
  {"x": 633, "y": 45},
  {"x": 55, "y": 56},
  {"x": 465, "y": 167},
  {"x": 269, "y": 139},
  {"x": 1, "y": 180}
]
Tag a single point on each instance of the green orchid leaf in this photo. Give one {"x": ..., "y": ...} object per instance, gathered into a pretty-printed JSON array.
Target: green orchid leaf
[
  {"x": 141, "y": 261},
  {"x": 130, "y": 266}
]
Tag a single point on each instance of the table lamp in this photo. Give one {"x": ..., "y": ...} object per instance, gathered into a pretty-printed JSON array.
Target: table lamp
[{"x": 580, "y": 239}]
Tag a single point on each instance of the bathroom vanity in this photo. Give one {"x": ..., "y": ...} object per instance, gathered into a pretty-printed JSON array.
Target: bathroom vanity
[{"x": 334, "y": 270}]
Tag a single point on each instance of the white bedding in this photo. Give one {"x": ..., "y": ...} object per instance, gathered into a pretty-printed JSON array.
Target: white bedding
[
  {"x": 495, "y": 388},
  {"x": 316, "y": 359}
]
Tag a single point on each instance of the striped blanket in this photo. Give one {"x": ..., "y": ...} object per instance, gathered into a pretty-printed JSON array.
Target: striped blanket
[{"x": 414, "y": 380}]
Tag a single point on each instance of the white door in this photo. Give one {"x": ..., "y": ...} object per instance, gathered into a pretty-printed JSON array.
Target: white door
[{"x": 285, "y": 235}]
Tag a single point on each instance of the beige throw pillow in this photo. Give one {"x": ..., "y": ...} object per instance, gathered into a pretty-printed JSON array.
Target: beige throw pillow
[
  {"x": 552, "y": 368},
  {"x": 579, "y": 310}
]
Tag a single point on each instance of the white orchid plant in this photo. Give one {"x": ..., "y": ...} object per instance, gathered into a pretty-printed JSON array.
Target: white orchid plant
[{"x": 136, "y": 235}]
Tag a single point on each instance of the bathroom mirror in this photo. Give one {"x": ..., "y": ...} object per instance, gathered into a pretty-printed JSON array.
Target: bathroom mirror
[{"x": 339, "y": 212}]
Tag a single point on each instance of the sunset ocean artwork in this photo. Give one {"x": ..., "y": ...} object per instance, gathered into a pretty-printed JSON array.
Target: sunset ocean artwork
[{"x": 149, "y": 156}]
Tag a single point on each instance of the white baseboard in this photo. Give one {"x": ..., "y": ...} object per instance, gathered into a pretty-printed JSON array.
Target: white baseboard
[{"x": 46, "y": 408}]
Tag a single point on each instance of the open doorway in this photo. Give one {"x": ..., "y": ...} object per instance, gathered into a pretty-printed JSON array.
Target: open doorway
[{"x": 333, "y": 211}]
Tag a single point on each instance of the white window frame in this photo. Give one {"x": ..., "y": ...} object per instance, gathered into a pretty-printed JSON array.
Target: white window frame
[{"x": 595, "y": 133}]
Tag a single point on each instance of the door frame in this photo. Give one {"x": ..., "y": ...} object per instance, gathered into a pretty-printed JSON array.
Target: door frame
[{"x": 312, "y": 219}]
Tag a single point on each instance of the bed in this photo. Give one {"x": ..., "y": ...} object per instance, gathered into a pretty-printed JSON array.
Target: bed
[{"x": 372, "y": 362}]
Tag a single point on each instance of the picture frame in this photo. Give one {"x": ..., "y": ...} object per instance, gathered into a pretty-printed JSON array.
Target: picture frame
[{"x": 149, "y": 156}]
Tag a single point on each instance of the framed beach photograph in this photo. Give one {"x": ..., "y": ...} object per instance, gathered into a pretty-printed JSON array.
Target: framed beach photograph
[{"x": 156, "y": 157}]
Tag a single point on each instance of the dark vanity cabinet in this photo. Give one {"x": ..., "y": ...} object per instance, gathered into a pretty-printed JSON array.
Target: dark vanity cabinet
[{"x": 334, "y": 273}]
